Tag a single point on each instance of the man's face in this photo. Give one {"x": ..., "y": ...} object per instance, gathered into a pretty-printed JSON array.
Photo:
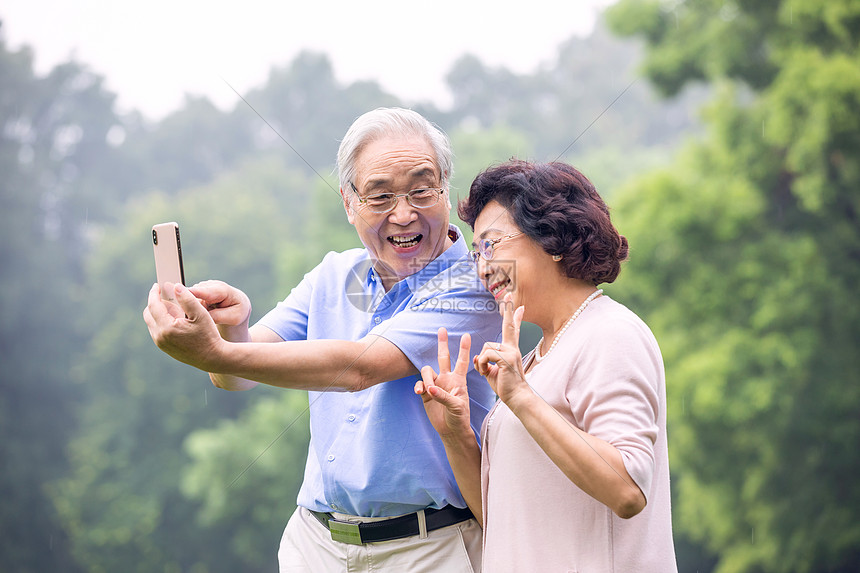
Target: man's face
[{"x": 405, "y": 239}]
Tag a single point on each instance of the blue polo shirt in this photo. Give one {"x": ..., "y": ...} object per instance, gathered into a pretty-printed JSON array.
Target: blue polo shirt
[{"x": 374, "y": 453}]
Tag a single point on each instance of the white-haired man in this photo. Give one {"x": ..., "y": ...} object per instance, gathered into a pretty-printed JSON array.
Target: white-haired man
[{"x": 378, "y": 492}]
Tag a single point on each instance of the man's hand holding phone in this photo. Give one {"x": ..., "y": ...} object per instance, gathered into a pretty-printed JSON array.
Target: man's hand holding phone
[
  {"x": 192, "y": 324},
  {"x": 167, "y": 249},
  {"x": 183, "y": 328},
  {"x": 229, "y": 307}
]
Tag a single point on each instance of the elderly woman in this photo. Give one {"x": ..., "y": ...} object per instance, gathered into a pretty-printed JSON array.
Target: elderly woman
[{"x": 573, "y": 472}]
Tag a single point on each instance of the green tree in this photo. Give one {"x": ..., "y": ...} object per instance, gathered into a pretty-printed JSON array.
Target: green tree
[
  {"x": 304, "y": 104},
  {"x": 191, "y": 146},
  {"x": 478, "y": 149},
  {"x": 122, "y": 503},
  {"x": 247, "y": 473},
  {"x": 53, "y": 140},
  {"x": 76, "y": 204},
  {"x": 299, "y": 115},
  {"x": 745, "y": 260},
  {"x": 586, "y": 99}
]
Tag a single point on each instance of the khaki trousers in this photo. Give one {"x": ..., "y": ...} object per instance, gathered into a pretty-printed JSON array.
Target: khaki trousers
[{"x": 307, "y": 547}]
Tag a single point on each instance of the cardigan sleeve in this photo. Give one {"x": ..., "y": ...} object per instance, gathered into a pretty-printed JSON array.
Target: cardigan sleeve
[{"x": 616, "y": 394}]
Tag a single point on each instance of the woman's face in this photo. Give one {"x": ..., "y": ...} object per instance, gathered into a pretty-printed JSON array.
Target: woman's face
[{"x": 519, "y": 266}]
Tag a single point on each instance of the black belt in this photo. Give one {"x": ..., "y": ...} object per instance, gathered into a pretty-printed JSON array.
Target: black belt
[{"x": 394, "y": 528}]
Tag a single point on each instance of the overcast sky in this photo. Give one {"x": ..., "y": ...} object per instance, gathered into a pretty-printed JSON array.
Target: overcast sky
[{"x": 154, "y": 52}]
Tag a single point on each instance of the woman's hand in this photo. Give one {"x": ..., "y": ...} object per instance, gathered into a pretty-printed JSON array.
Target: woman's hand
[
  {"x": 445, "y": 395},
  {"x": 502, "y": 363},
  {"x": 446, "y": 400}
]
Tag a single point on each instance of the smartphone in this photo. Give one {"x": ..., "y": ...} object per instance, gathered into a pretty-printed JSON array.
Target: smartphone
[{"x": 168, "y": 255}]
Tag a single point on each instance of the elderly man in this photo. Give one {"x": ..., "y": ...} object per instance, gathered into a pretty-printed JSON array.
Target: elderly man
[{"x": 378, "y": 492}]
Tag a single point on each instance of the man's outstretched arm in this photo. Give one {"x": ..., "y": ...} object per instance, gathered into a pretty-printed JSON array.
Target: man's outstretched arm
[{"x": 188, "y": 333}]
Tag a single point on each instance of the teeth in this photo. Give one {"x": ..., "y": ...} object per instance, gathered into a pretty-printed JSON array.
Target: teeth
[
  {"x": 499, "y": 287},
  {"x": 405, "y": 241}
]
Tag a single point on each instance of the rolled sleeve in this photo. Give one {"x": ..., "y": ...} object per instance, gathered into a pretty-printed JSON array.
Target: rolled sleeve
[
  {"x": 465, "y": 308},
  {"x": 413, "y": 331}
]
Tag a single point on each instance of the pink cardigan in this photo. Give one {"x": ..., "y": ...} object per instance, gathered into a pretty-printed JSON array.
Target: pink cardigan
[{"x": 606, "y": 377}]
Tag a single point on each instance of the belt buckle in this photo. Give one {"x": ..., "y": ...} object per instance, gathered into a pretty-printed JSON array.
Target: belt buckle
[{"x": 345, "y": 532}]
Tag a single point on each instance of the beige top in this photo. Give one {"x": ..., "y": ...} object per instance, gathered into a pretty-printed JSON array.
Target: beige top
[{"x": 606, "y": 377}]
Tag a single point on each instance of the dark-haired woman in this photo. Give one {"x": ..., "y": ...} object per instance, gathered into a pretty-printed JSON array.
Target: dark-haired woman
[{"x": 573, "y": 471}]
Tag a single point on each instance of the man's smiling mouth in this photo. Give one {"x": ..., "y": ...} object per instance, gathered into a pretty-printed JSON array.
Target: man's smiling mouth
[{"x": 405, "y": 241}]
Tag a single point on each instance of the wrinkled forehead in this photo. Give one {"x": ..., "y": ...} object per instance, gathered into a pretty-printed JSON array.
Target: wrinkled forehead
[{"x": 396, "y": 160}]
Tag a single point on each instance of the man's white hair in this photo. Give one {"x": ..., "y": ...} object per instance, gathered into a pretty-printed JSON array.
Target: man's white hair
[{"x": 391, "y": 121}]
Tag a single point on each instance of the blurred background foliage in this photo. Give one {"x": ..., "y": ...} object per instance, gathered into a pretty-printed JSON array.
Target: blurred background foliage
[{"x": 725, "y": 137}]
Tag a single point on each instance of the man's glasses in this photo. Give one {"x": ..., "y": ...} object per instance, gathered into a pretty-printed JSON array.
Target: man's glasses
[
  {"x": 486, "y": 247},
  {"x": 384, "y": 202}
]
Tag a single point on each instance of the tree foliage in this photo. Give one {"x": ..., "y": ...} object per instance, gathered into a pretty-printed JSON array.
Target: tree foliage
[
  {"x": 586, "y": 99},
  {"x": 116, "y": 458},
  {"x": 261, "y": 457},
  {"x": 122, "y": 502},
  {"x": 52, "y": 145},
  {"x": 305, "y": 105},
  {"x": 746, "y": 256}
]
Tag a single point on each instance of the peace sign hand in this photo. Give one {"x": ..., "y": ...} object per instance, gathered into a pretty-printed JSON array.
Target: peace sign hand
[
  {"x": 445, "y": 395},
  {"x": 502, "y": 363}
]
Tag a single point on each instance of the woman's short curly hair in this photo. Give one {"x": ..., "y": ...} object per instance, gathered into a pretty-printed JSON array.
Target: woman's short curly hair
[{"x": 557, "y": 207}]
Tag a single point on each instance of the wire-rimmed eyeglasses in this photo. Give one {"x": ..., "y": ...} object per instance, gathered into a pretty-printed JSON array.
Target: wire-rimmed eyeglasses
[
  {"x": 421, "y": 198},
  {"x": 486, "y": 247}
]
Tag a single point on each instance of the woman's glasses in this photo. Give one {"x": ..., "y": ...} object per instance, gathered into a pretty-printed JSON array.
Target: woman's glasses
[{"x": 486, "y": 247}]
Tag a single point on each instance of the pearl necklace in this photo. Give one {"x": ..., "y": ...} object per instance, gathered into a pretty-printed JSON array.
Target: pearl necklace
[{"x": 591, "y": 297}]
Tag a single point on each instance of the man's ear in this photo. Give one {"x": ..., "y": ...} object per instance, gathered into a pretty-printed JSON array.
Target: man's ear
[{"x": 350, "y": 213}]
